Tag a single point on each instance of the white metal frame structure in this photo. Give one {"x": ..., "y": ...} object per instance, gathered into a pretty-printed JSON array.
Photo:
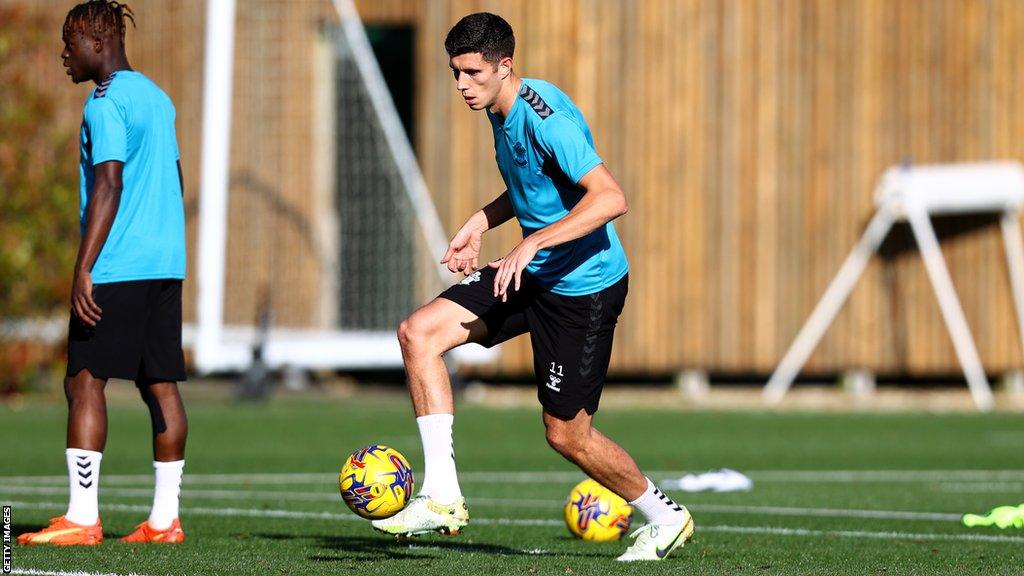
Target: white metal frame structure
[
  {"x": 915, "y": 194},
  {"x": 229, "y": 348}
]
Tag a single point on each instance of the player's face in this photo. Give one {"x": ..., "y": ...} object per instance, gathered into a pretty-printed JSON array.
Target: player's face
[
  {"x": 80, "y": 57},
  {"x": 477, "y": 80}
]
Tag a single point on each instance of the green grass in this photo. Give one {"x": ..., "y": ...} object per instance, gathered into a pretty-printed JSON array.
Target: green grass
[{"x": 791, "y": 523}]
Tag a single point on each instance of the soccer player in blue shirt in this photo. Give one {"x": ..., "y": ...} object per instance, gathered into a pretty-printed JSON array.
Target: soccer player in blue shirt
[
  {"x": 126, "y": 294},
  {"x": 565, "y": 284}
]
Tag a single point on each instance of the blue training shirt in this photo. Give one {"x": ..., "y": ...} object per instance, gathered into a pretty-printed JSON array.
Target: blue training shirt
[
  {"x": 543, "y": 149},
  {"x": 129, "y": 119}
]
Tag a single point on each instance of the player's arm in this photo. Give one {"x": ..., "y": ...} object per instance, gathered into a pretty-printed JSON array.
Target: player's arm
[
  {"x": 602, "y": 202},
  {"x": 464, "y": 249},
  {"x": 498, "y": 211},
  {"x": 99, "y": 217}
]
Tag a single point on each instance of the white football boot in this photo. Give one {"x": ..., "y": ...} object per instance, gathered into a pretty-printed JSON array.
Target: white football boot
[
  {"x": 655, "y": 542},
  {"x": 422, "y": 516}
]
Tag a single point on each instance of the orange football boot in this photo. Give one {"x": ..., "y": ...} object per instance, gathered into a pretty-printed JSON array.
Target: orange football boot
[
  {"x": 146, "y": 534},
  {"x": 63, "y": 532}
]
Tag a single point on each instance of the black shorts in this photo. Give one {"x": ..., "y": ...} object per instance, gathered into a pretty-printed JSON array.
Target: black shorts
[
  {"x": 571, "y": 335},
  {"x": 138, "y": 336}
]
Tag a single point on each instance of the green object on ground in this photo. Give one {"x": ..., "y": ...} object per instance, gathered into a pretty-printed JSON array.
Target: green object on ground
[{"x": 1001, "y": 517}]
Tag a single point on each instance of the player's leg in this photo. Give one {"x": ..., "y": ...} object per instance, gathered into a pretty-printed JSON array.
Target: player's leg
[
  {"x": 168, "y": 418},
  {"x": 466, "y": 312},
  {"x": 669, "y": 525},
  {"x": 110, "y": 349},
  {"x": 425, "y": 336},
  {"x": 597, "y": 455},
  {"x": 161, "y": 368},
  {"x": 87, "y": 411},
  {"x": 86, "y": 439},
  {"x": 572, "y": 341},
  {"x": 170, "y": 431}
]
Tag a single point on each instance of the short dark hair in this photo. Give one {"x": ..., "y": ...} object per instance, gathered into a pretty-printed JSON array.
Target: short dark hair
[{"x": 483, "y": 32}]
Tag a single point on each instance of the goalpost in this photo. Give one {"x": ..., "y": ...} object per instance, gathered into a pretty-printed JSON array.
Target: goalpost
[{"x": 379, "y": 249}]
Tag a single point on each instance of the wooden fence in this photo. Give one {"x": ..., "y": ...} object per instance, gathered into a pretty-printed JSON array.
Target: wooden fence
[{"x": 747, "y": 134}]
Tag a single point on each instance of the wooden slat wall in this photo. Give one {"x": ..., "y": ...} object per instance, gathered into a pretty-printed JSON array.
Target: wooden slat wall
[{"x": 748, "y": 135}]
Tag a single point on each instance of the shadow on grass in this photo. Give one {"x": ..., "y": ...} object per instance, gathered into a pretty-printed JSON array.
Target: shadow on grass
[
  {"x": 19, "y": 529},
  {"x": 359, "y": 547}
]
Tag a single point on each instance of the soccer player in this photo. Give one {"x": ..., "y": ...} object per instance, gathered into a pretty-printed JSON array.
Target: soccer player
[
  {"x": 565, "y": 284},
  {"x": 126, "y": 294}
]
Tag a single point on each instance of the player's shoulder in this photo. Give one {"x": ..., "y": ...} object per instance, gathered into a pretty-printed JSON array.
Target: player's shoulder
[
  {"x": 123, "y": 86},
  {"x": 545, "y": 99}
]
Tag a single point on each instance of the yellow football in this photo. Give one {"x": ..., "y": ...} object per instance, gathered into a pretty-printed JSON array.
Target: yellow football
[
  {"x": 376, "y": 481},
  {"x": 593, "y": 512}
]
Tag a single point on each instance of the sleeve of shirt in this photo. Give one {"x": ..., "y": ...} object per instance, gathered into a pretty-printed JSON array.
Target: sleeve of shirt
[
  {"x": 561, "y": 139},
  {"x": 107, "y": 131},
  {"x": 174, "y": 133}
]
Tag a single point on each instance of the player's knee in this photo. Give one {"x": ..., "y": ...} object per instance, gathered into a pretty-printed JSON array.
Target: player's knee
[
  {"x": 564, "y": 441},
  {"x": 403, "y": 333},
  {"x": 171, "y": 422},
  {"x": 82, "y": 387},
  {"x": 414, "y": 335}
]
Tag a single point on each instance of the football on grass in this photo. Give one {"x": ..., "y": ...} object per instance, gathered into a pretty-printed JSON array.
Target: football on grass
[
  {"x": 593, "y": 512},
  {"x": 376, "y": 481}
]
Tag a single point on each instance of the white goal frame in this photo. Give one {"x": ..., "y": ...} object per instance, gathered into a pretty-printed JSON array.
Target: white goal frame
[{"x": 221, "y": 348}]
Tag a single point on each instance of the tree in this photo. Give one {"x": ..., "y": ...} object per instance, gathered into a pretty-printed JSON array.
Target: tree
[{"x": 38, "y": 172}]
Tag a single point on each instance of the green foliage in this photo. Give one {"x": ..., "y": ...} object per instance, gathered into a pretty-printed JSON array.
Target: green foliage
[{"x": 38, "y": 172}]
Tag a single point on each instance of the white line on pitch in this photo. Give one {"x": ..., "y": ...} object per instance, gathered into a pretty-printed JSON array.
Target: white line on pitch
[
  {"x": 249, "y": 495},
  {"x": 520, "y": 477},
  {"x": 34, "y": 572},
  {"x": 192, "y": 493},
  {"x": 885, "y": 475},
  {"x": 345, "y": 517},
  {"x": 860, "y": 534},
  {"x": 982, "y": 487},
  {"x": 827, "y": 512}
]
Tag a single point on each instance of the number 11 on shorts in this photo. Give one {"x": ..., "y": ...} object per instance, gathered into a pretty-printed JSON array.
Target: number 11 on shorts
[{"x": 555, "y": 377}]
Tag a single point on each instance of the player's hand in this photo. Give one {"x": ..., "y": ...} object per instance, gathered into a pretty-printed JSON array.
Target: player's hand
[
  {"x": 510, "y": 268},
  {"x": 464, "y": 250},
  {"x": 82, "y": 303}
]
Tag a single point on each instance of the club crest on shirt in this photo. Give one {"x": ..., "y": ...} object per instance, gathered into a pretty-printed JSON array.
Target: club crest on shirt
[{"x": 519, "y": 154}]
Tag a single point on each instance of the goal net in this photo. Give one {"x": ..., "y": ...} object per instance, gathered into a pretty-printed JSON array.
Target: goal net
[{"x": 316, "y": 231}]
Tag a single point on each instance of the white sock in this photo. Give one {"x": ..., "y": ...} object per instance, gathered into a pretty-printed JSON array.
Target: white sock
[
  {"x": 657, "y": 507},
  {"x": 439, "y": 479},
  {"x": 165, "y": 495},
  {"x": 84, "y": 481}
]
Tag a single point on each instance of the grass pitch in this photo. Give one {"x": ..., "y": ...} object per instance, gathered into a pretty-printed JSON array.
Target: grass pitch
[{"x": 833, "y": 493}]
